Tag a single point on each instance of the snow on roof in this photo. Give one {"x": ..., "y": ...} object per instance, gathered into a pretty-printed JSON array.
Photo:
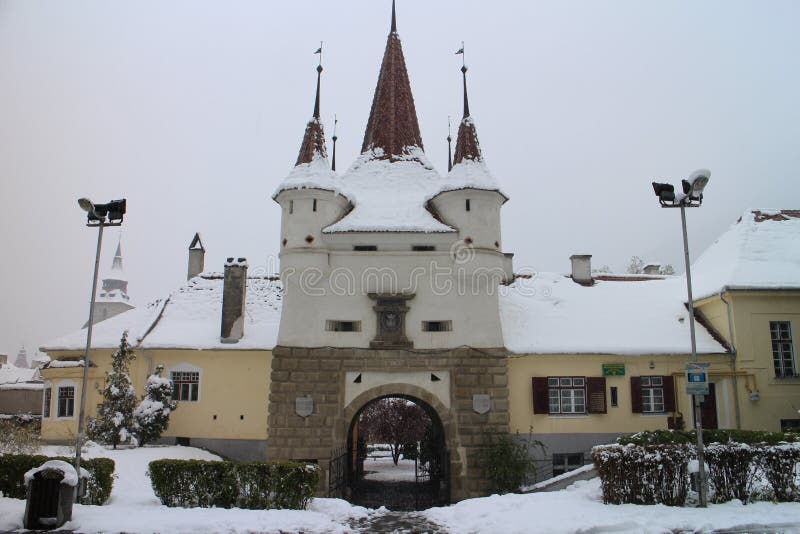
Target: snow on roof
[
  {"x": 551, "y": 314},
  {"x": 471, "y": 174},
  {"x": 316, "y": 174},
  {"x": 390, "y": 195},
  {"x": 189, "y": 318},
  {"x": 12, "y": 377},
  {"x": 760, "y": 251}
]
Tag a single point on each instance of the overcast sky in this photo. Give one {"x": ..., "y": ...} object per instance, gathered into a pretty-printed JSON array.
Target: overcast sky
[{"x": 194, "y": 112}]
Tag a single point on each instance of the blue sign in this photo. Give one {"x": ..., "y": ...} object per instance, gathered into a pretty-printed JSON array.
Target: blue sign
[{"x": 697, "y": 378}]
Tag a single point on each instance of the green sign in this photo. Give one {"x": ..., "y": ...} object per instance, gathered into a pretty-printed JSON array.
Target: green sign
[{"x": 613, "y": 369}]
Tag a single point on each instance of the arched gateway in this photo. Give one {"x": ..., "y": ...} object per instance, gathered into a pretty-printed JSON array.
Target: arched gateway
[{"x": 391, "y": 274}]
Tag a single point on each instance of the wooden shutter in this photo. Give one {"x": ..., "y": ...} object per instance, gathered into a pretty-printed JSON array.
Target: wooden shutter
[
  {"x": 596, "y": 394},
  {"x": 669, "y": 393},
  {"x": 636, "y": 394},
  {"x": 541, "y": 395}
]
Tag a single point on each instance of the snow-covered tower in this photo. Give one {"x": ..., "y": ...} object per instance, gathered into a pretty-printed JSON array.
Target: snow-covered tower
[
  {"x": 22, "y": 359},
  {"x": 391, "y": 277},
  {"x": 112, "y": 298}
]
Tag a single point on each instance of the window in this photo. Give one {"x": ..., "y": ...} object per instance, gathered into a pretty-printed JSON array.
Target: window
[
  {"x": 437, "y": 326},
  {"x": 314, "y": 206},
  {"x": 780, "y": 332},
  {"x": 423, "y": 248},
  {"x": 185, "y": 385},
  {"x": 652, "y": 394},
  {"x": 365, "y": 248},
  {"x": 614, "y": 397},
  {"x": 569, "y": 395},
  {"x": 342, "y": 326},
  {"x": 790, "y": 425},
  {"x": 291, "y": 207},
  {"x": 66, "y": 401},
  {"x": 48, "y": 396},
  {"x": 468, "y": 206},
  {"x": 566, "y": 462}
]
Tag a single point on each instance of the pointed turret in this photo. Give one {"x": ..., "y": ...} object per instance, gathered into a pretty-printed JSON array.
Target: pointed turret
[
  {"x": 313, "y": 145},
  {"x": 115, "y": 286},
  {"x": 392, "y": 127},
  {"x": 116, "y": 265},
  {"x": 467, "y": 145}
]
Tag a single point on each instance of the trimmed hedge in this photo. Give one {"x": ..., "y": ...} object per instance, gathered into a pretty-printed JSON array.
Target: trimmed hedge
[
  {"x": 653, "y": 474},
  {"x": 14, "y": 466},
  {"x": 689, "y": 437},
  {"x": 249, "y": 485}
]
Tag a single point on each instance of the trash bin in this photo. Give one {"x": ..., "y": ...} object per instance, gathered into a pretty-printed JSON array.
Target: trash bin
[{"x": 50, "y": 490}]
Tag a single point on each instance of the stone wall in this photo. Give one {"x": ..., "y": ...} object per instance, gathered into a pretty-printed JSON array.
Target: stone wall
[{"x": 322, "y": 374}]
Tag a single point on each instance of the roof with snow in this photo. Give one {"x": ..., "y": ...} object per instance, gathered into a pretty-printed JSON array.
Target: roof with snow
[
  {"x": 12, "y": 377},
  {"x": 760, "y": 251},
  {"x": 190, "y": 318},
  {"x": 551, "y": 314}
]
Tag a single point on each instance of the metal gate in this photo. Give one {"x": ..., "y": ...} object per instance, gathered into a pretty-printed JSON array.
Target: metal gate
[
  {"x": 432, "y": 486},
  {"x": 337, "y": 473}
]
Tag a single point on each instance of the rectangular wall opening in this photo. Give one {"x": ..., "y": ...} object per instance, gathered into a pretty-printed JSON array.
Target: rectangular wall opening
[
  {"x": 437, "y": 326},
  {"x": 342, "y": 326}
]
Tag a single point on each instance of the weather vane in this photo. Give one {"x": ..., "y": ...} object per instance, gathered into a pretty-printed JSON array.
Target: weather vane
[
  {"x": 319, "y": 51},
  {"x": 461, "y": 53}
]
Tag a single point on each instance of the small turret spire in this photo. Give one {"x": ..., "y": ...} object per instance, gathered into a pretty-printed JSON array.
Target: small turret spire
[
  {"x": 116, "y": 265},
  {"x": 449, "y": 147},
  {"x": 467, "y": 145},
  {"x": 334, "y": 138},
  {"x": 314, "y": 139},
  {"x": 394, "y": 19}
]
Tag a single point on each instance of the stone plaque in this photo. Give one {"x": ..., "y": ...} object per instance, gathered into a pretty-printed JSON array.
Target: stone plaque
[
  {"x": 304, "y": 406},
  {"x": 481, "y": 403}
]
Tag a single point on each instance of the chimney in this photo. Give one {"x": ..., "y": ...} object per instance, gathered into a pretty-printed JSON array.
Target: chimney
[
  {"x": 582, "y": 269},
  {"x": 234, "y": 289},
  {"x": 196, "y": 257}
]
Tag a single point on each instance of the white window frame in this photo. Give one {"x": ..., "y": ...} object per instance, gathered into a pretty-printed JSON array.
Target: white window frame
[
  {"x": 75, "y": 400},
  {"x": 780, "y": 341},
  {"x": 47, "y": 404},
  {"x": 566, "y": 389},
  {"x": 185, "y": 367},
  {"x": 652, "y": 388}
]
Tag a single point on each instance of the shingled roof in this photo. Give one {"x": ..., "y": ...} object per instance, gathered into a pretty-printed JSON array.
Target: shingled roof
[{"x": 392, "y": 126}]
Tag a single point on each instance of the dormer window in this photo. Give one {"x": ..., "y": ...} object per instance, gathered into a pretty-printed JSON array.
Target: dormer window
[{"x": 468, "y": 205}]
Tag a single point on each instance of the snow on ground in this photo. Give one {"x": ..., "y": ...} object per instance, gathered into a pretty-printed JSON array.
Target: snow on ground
[
  {"x": 580, "y": 508},
  {"x": 134, "y": 508},
  {"x": 382, "y": 468}
]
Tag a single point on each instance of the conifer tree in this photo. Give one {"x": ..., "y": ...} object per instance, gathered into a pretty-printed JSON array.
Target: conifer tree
[
  {"x": 152, "y": 414},
  {"x": 114, "y": 423}
]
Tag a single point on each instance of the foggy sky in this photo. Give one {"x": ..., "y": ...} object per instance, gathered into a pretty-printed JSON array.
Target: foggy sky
[{"x": 194, "y": 111}]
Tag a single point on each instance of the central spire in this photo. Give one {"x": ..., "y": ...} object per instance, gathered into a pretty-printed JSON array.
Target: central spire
[{"x": 392, "y": 124}]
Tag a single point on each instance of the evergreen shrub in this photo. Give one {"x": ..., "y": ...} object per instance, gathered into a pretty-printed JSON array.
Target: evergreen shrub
[
  {"x": 14, "y": 466},
  {"x": 248, "y": 485},
  {"x": 506, "y": 462}
]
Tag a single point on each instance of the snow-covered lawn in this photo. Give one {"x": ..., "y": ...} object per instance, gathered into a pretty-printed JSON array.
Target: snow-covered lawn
[
  {"x": 134, "y": 508},
  {"x": 382, "y": 469}
]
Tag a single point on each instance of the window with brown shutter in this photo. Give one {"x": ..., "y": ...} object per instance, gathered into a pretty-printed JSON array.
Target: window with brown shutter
[
  {"x": 596, "y": 394},
  {"x": 540, "y": 395},
  {"x": 669, "y": 393},
  {"x": 636, "y": 394}
]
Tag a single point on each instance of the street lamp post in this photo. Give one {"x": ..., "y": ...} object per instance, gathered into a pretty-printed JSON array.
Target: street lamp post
[
  {"x": 692, "y": 197},
  {"x": 100, "y": 216}
]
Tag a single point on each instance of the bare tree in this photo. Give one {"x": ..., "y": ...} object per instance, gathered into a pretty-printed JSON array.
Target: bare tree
[{"x": 394, "y": 421}]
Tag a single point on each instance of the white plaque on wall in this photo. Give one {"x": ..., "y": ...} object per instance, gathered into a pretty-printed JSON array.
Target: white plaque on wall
[
  {"x": 481, "y": 403},
  {"x": 304, "y": 406}
]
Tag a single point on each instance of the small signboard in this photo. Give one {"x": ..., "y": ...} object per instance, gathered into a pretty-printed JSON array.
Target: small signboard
[
  {"x": 697, "y": 378},
  {"x": 304, "y": 406},
  {"x": 613, "y": 369},
  {"x": 481, "y": 403}
]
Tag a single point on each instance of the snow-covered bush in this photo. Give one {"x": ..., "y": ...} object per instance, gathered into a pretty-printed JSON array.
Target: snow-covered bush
[
  {"x": 248, "y": 485},
  {"x": 14, "y": 466},
  {"x": 114, "y": 423},
  {"x": 732, "y": 469},
  {"x": 151, "y": 417},
  {"x": 19, "y": 434},
  {"x": 780, "y": 464}
]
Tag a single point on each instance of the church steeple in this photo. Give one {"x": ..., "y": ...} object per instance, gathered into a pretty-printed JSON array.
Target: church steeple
[
  {"x": 392, "y": 126},
  {"x": 467, "y": 145},
  {"x": 115, "y": 285},
  {"x": 313, "y": 145}
]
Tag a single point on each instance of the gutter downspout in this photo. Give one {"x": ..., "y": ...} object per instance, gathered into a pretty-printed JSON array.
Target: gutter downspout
[{"x": 736, "y": 408}]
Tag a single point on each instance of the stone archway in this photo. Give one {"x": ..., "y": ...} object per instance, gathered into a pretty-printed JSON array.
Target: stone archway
[{"x": 429, "y": 483}]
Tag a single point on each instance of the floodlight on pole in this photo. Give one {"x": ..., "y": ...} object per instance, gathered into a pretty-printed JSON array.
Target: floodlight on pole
[
  {"x": 692, "y": 198},
  {"x": 100, "y": 216}
]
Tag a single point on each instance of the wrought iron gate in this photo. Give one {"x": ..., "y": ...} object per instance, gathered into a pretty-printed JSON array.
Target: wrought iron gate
[
  {"x": 432, "y": 486},
  {"x": 337, "y": 473}
]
